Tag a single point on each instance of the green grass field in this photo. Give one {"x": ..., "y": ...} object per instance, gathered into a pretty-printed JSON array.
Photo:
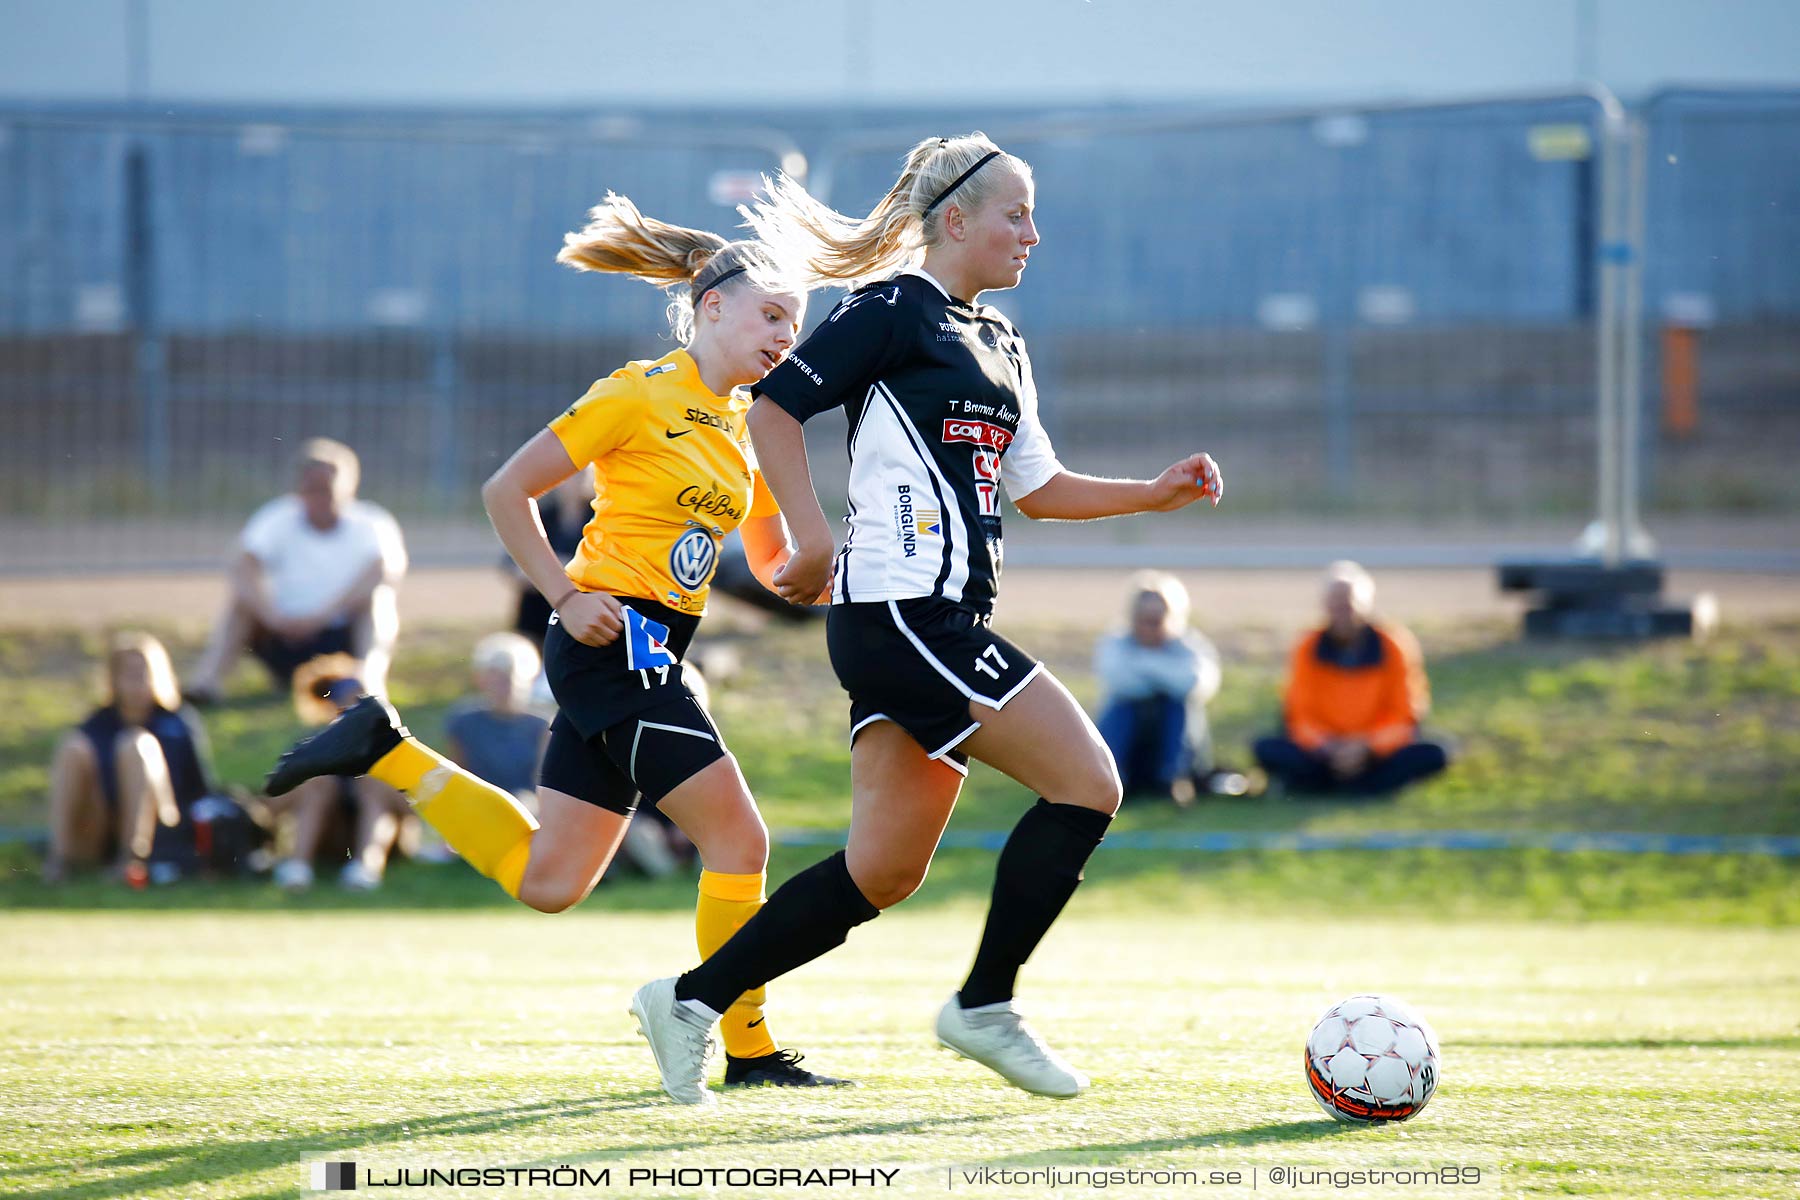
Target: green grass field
[
  {"x": 1616, "y": 1025},
  {"x": 211, "y": 1054}
]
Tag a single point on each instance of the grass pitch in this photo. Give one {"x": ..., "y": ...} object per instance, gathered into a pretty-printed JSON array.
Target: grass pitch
[
  {"x": 216, "y": 1054},
  {"x": 1612, "y": 1025}
]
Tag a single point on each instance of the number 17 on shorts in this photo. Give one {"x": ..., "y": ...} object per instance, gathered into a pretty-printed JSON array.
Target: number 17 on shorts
[{"x": 646, "y": 647}]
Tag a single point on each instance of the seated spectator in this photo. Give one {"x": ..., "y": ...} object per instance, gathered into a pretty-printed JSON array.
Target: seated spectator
[
  {"x": 129, "y": 771},
  {"x": 492, "y": 734},
  {"x": 1156, "y": 677},
  {"x": 315, "y": 575},
  {"x": 354, "y": 824},
  {"x": 1356, "y": 693}
]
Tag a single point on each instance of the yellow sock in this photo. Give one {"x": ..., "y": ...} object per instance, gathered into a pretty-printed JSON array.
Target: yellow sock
[
  {"x": 485, "y": 825},
  {"x": 726, "y": 902}
]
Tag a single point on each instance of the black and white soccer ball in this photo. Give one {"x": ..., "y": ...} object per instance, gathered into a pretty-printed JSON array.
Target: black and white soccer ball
[{"x": 1372, "y": 1059}]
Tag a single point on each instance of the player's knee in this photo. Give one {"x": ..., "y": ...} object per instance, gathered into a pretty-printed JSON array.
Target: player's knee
[
  {"x": 1111, "y": 791},
  {"x": 732, "y": 838},
  {"x": 887, "y": 885},
  {"x": 1095, "y": 784},
  {"x": 549, "y": 896}
]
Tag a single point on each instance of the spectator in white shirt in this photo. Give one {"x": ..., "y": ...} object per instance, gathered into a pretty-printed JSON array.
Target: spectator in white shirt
[
  {"x": 1156, "y": 677},
  {"x": 315, "y": 574}
]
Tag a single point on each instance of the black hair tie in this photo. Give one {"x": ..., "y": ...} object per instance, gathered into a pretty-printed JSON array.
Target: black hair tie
[
  {"x": 723, "y": 276},
  {"x": 960, "y": 180}
]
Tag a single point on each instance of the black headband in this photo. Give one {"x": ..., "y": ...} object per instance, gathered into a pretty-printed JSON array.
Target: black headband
[
  {"x": 960, "y": 180},
  {"x": 723, "y": 276}
]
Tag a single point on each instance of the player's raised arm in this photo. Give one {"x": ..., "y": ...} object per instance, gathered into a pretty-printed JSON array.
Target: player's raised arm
[{"x": 1068, "y": 496}]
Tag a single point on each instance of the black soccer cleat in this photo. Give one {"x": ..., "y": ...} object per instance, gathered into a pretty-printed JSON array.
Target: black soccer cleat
[
  {"x": 355, "y": 741},
  {"x": 780, "y": 1069}
]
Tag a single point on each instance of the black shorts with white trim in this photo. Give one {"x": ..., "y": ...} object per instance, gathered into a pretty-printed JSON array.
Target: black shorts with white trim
[
  {"x": 649, "y": 753},
  {"x": 626, "y": 722},
  {"x": 918, "y": 663}
]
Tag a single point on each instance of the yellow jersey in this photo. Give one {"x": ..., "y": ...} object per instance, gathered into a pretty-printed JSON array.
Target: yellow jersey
[{"x": 673, "y": 474}]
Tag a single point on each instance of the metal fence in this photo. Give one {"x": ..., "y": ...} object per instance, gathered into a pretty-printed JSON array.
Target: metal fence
[
  {"x": 187, "y": 300},
  {"x": 1396, "y": 310},
  {"x": 1721, "y": 316},
  {"x": 1385, "y": 309}
]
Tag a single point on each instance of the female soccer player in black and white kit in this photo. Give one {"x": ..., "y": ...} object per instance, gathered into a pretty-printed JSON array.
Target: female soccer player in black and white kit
[{"x": 943, "y": 413}]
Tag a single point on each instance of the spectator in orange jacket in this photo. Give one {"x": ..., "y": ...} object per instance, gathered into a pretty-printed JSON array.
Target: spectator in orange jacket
[{"x": 1356, "y": 693}]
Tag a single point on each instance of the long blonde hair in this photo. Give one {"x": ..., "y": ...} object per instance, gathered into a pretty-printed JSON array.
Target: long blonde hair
[
  {"x": 163, "y": 688},
  {"x": 685, "y": 263},
  {"x": 840, "y": 249}
]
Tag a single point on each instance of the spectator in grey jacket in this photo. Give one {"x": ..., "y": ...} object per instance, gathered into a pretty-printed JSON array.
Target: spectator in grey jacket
[{"x": 1156, "y": 677}]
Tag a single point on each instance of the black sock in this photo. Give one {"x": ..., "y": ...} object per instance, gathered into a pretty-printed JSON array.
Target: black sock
[
  {"x": 1038, "y": 869},
  {"x": 807, "y": 916}
]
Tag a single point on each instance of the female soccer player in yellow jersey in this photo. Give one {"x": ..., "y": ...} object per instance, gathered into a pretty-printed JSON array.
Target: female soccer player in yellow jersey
[{"x": 674, "y": 474}]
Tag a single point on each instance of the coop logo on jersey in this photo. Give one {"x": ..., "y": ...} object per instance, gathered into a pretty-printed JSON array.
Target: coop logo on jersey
[
  {"x": 664, "y": 369},
  {"x": 646, "y": 642},
  {"x": 957, "y": 429},
  {"x": 987, "y": 481},
  {"x": 691, "y": 558}
]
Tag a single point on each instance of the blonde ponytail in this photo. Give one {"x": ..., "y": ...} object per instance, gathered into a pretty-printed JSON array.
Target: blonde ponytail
[
  {"x": 686, "y": 263},
  {"x": 620, "y": 239},
  {"x": 840, "y": 249}
]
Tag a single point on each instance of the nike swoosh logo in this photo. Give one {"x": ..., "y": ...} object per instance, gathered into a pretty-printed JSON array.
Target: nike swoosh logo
[
  {"x": 755, "y": 1023},
  {"x": 670, "y": 433}
]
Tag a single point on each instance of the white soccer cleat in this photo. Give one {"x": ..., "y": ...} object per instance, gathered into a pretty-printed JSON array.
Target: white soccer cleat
[
  {"x": 680, "y": 1039},
  {"x": 997, "y": 1037}
]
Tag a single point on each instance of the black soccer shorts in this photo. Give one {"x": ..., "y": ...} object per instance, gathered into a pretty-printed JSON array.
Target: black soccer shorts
[
  {"x": 651, "y": 753},
  {"x": 918, "y": 663},
  {"x": 626, "y": 723}
]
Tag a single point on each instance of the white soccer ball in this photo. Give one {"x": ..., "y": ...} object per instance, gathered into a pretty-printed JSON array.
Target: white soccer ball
[{"x": 1372, "y": 1059}]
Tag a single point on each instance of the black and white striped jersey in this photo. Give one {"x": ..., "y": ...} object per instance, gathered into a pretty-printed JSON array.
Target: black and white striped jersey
[{"x": 942, "y": 412}]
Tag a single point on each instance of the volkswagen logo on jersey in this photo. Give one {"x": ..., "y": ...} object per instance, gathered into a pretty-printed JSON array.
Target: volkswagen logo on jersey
[
  {"x": 646, "y": 642},
  {"x": 691, "y": 558}
]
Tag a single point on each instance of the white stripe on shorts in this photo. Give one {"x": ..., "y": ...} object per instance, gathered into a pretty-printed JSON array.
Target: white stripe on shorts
[
  {"x": 937, "y": 665},
  {"x": 638, "y": 736}
]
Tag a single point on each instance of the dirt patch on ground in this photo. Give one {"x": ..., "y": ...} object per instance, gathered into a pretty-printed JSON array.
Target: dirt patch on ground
[{"x": 1223, "y": 599}]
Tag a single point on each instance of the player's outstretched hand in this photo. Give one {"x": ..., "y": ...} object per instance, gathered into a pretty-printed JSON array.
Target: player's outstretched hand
[
  {"x": 1194, "y": 477},
  {"x": 592, "y": 618},
  {"x": 805, "y": 578}
]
